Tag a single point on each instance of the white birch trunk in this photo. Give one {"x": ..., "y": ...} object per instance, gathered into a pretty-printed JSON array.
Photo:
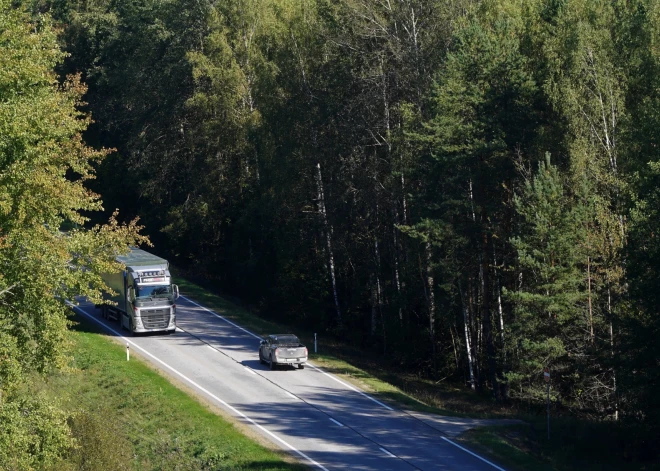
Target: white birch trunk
[
  {"x": 614, "y": 391},
  {"x": 591, "y": 318},
  {"x": 431, "y": 297},
  {"x": 372, "y": 288},
  {"x": 396, "y": 272},
  {"x": 466, "y": 324},
  {"x": 328, "y": 231},
  {"x": 499, "y": 299}
]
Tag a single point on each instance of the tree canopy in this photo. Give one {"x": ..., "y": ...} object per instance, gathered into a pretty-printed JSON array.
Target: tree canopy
[{"x": 470, "y": 186}]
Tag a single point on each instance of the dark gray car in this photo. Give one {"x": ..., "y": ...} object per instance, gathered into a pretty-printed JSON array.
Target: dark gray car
[{"x": 282, "y": 349}]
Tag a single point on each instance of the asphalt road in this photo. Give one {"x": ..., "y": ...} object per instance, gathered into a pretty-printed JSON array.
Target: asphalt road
[{"x": 323, "y": 421}]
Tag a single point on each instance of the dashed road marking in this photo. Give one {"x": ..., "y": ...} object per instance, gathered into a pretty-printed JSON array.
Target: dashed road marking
[{"x": 387, "y": 452}]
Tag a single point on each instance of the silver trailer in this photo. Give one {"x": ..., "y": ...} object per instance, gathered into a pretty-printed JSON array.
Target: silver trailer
[{"x": 145, "y": 299}]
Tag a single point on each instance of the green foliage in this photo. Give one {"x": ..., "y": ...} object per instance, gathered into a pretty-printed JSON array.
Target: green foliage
[
  {"x": 426, "y": 119},
  {"x": 34, "y": 433},
  {"x": 45, "y": 167},
  {"x": 550, "y": 301}
]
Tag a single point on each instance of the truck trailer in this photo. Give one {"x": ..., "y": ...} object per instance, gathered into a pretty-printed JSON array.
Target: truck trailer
[{"x": 145, "y": 296}]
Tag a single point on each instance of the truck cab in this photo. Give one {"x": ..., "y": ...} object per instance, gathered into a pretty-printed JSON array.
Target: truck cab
[
  {"x": 145, "y": 297},
  {"x": 152, "y": 297}
]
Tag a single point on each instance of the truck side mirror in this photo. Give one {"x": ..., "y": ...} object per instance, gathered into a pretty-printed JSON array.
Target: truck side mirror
[
  {"x": 130, "y": 293},
  {"x": 175, "y": 288}
]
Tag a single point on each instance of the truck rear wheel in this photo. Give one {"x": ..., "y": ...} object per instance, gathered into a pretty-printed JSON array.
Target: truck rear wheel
[{"x": 301, "y": 366}]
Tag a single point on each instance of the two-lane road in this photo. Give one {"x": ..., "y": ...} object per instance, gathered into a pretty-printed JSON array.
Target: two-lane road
[{"x": 324, "y": 421}]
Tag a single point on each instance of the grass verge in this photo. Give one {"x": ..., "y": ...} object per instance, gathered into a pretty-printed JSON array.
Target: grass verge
[{"x": 128, "y": 416}]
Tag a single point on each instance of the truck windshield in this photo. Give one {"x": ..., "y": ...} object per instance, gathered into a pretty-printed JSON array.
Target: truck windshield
[{"x": 154, "y": 291}]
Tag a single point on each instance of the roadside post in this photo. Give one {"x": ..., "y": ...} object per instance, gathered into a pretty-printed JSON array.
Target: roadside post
[
  {"x": 127, "y": 354},
  {"x": 546, "y": 376},
  {"x": 314, "y": 342}
]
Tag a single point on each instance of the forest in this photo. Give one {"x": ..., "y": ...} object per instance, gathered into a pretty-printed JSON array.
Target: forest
[{"x": 470, "y": 187}]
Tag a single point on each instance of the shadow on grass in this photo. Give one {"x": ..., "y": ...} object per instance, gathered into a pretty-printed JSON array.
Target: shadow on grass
[{"x": 573, "y": 445}]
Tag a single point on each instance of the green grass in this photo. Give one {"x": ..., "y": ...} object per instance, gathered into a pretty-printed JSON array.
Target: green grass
[{"x": 128, "y": 416}]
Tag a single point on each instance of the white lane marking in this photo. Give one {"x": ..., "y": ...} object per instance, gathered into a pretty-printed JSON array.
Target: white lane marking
[
  {"x": 204, "y": 390},
  {"x": 220, "y": 317},
  {"x": 291, "y": 394},
  {"x": 211, "y": 347},
  {"x": 338, "y": 423},
  {"x": 387, "y": 452},
  {"x": 250, "y": 370},
  {"x": 308, "y": 363},
  {"x": 350, "y": 387},
  {"x": 179, "y": 330},
  {"x": 473, "y": 454}
]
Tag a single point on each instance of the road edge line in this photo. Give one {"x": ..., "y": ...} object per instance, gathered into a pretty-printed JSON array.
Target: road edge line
[{"x": 473, "y": 454}]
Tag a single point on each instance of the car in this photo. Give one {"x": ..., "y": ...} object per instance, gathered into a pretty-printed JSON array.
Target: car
[{"x": 282, "y": 349}]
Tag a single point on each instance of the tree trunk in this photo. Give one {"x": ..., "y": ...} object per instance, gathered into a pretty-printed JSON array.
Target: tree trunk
[
  {"x": 373, "y": 321},
  {"x": 466, "y": 324},
  {"x": 499, "y": 298},
  {"x": 431, "y": 298},
  {"x": 328, "y": 231},
  {"x": 397, "y": 280},
  {"x": 614, "y": 391},
  {"x": 591, "y": 318},
  {"x": 486, "y": 319}
]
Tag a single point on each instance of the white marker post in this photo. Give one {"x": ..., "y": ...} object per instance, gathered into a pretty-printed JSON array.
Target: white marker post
[
  {"x": 546, "y": 376},
  {"x": 128, "y": 355}
]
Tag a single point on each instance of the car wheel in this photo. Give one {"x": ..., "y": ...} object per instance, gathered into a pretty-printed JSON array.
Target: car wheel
[
  {"x": 301, "y": 366},
  {"x": 271, "y": 364},
  {"x": 261, "y": 359}
]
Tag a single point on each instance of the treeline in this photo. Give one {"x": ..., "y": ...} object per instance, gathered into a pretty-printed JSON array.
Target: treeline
[{"x": 470, "y": 187}]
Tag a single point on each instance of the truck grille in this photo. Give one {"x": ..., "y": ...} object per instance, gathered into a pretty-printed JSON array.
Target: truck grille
[{"x": 155, "y": 318}]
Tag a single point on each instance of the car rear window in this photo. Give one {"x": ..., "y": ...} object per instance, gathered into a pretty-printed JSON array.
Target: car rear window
[{"x": 287, "y": 339}]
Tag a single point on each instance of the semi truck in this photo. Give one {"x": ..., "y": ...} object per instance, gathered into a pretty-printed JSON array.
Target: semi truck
[{"x": 145, "y": 299}]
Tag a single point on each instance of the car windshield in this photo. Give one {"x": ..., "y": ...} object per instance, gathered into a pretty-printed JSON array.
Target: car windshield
[
  {"x": 287, "y": 339},
  {"x": 153, "y": 291}
]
